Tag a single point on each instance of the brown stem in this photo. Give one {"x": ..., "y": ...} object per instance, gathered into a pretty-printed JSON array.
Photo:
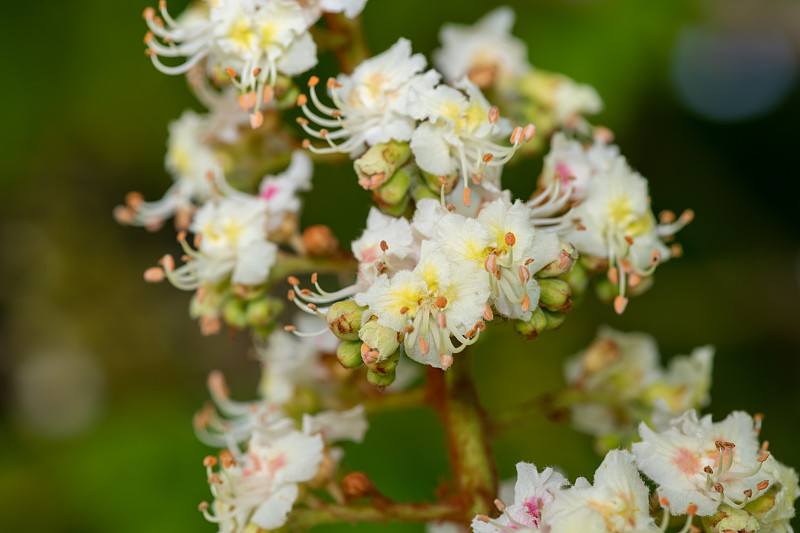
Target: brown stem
[
  {"x": 354, "y": 51},
  {"x": 304, "y": 518},
  {"x": 474, "y": 470}
]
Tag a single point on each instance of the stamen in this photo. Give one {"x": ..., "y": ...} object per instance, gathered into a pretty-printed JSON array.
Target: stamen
[
  {"x": 154, "y": 275},
  {"x": 441, "y": 302},
  {"x": 384, "y": 246},
  {"x": 494, "y": 115},
  {"x": 510, "y": 239},
  {"x": 466, "y": 196},
  {"x": 620, "y": 303},
  {"x": 423, "y": 346},
  {"x": 529, "y": 132},
  {"x": 447, "y": 360}
]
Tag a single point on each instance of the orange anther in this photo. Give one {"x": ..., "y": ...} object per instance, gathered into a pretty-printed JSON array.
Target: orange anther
[
  {"x": 494, "y": 115},
  {"x": 313, "y": 81},
  {"x": 517, "y": 135},
  {"x": 230, "y": 72},
  {"x": 510, "y": 239},
  {"x": 691, "y": 510},
  {"x": 629, "y": 240},
  {"x": 210, "y": 461},
  {"x": 446, "y": 359},
  {"x": 293, "y": 280},
  {"x": 620, "y": 303},
  {"x": 423, "y": 346},
  {"x": 154, "y": 275},
  {"x": 301, "y": 100},
  {"x": 441, "y": 302},
  {"x": 384, "y": 246},
  {"x": 256, "y": 119},
  {"x": 289, "y": 327},
  {"x": 441, "y": 321},
  {"x": 763, "y": 485},
  {"x": 466, "y": 196},
  {"x": 487, "y": 157},
  {"x": 526, "y": 303},
  {"x": 529, "y": 132}
]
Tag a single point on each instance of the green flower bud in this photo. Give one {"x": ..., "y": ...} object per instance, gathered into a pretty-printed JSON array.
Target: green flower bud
[
  {"x": 379, "y": 380},
  {"x": 395, "y": 191},
  {"x": 380, "y": 162},
  {"x": 379, "y": 339},
  {"x": 534, "y": 325},
  {"x": 577, "y": 278},
  {"x": 553, "y": 319},
  {"x": 420, "y": 192},
  {"x": 435, "y": 182},
  {"x": 729, "y": 519},
  {"x": 562, "y": 265},
  {"x": 349, "y": 354},
  {"x": 234, "y": 312},
  {"x": 386, "y": 366},
  {"x": 555, "y": 294},
  {"x": 344, "y": 319},
  {"x": 262, "y": 313}
]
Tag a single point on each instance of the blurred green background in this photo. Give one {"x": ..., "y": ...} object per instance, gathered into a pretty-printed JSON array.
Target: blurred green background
[{"x": 100, "y": 374}]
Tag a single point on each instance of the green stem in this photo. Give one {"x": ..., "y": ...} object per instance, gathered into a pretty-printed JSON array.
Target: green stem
[
  {"x": 474, "y": 471},
  {"x": 304, "y": 518},
  {"x": 288, "y": 265},
  {"x": 395, "y": 401}
]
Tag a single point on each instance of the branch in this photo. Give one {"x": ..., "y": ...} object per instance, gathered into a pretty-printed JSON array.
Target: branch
[{"x": 304, "y": 518}]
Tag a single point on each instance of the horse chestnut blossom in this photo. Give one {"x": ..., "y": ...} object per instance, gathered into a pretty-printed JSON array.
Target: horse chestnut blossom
[
  {"x": 445, "y": 253},
  {"x": 485, "y": 52},
  {"x": 370, "y": 105},
  {"x": 697, "y": 461}
]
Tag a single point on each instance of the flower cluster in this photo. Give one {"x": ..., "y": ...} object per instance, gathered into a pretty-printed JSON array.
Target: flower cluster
[
  {"x": 619, "y": 382},
  {"x": 730, "y": 485},
  {"x": 445, "y": 253}
]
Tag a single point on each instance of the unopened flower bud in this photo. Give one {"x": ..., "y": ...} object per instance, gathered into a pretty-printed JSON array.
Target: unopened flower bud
[
  {"x": 420, "y": 192},
  {"x": 349, "y": 354},
  {"x": 577, "y": 278},
  {"x": 553, "y": 319},
  {"x": 263, "y": 313},
  {"x": 320, "y": 241},
  {"x": 534, "y": 325},
  {"x": 380, "y": 339},
  {"x": 385, "y": 366},
  {"x": 435, "y": 182},
  {"x": 358, "y": 485},
  {"x": 555, "y": 294},
  {"x": 234, "y": 312},
  {"x": 380, "y": 162},
  {"x": 730, "y": 519},
  {"x": 395, "y": 191},
  {"x": 379, "y": 380},
  {"x": 562, "y": 265},
  {"x": 344, "y": 319}
]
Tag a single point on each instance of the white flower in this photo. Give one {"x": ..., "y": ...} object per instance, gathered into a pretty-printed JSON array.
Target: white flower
[
  {"x": 460, "y": 132},
  {"x": 336, "y": 426},
  {"x": 501, "y": 245},
  {"x": 617, "y": 224},
  {"x": 195, "y": 169},
  {"x": 575, "y": 165},
  {"x": 785, "y": 490},
  {"x": 383, "y": 230},
  {"x": 370, "y": 105},
  {"x": 427, "y": 217},
  {"x": 684, "y": 385},
  {"x": 533, "y": 493},
  {"x": 485, "y": 52},
  {"x": 429, "y": 304},
  {"x": 253, "y": 40},
  {"x": 572, "y": 100},
  {"x": 232, "y": 242},
  {"x": 617, "y": 502},
  {"x": 280, "y": 191},
  {"x": 616, "y": 365},
  {"x": 704, "y": 463},
  {"x": 315, "y": 8},
  {"x": 260, "y": 485}
]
